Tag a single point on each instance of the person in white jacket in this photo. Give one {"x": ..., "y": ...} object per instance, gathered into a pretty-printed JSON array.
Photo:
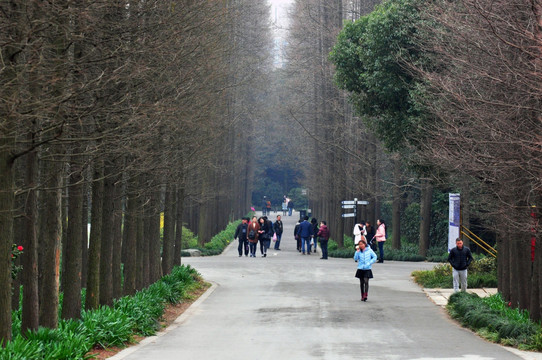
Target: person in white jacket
[{"x": 359, "y": 231}]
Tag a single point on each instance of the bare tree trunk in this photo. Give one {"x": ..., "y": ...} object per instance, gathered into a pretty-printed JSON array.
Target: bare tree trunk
[
  {"x": 396, "y": 207},
  {"x": 130, "y": 227},
  {"x": 92, "y": 299},
  {"x": 535, "y": 308},
  {"x": 106, "y": 249},
  {"x": 425, "y": 216},
  {"x": 153, "y": 218},
  {"x": 50, "y": 239},
  {"x": 71, "y": 277},
  {"x": 179, "y": 226},
  {"x": 6, "y": 229},
  {"x": 116, "y": 273},
  {"x": 169, "y": 230},
  {"x": 30, "y": 315}
]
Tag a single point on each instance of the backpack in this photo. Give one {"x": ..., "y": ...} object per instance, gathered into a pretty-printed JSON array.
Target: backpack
[{"x": 252, "y": 234}]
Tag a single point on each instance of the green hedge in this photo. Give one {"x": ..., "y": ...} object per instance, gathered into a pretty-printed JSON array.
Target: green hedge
[
  {"x": 482, "y": 273},
  {"x": 107, "y": 326},
  {"x": 495, "y": 320},
  {"x": 218, "y": 243}
]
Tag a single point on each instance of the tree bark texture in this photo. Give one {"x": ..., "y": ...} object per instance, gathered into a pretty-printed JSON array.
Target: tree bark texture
[{"x": 92, "y": 299}]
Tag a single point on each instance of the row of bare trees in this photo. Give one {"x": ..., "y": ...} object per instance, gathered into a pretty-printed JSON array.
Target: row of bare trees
[
  {"x": 484, "y": 89},
  {"x": 111, "y": 113},
  {"x": 478, "y": 133},
  {"x": 341, "y": 158}
]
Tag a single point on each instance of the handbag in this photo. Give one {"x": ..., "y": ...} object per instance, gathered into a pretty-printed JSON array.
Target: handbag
[{"x": 274, "y": 237}]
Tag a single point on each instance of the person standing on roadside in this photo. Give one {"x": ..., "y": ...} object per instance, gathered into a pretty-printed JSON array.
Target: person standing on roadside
[
  {"x": 263, "y": 236},
  {"x": 241, "y": 233},
  {"x": 253, "y": 233},
  {"x": 323, "y": 236},
  {"x": 315, "y": 229},
  {"x": 290, "y": 207},
  {"x": 305, "y": 232},
  {"x": 365, "y": 258},
  {"x": 380, "y": 237},
  {"x": 264, "y": 205},
  {"x": 370, "y": 235},
  {"x": 460, "y": 258},
  {"x": 359, "y": 231},
  {"x": 278, "y": 228},
  {"x": 284, "y": 207},
  {"x": 296, "y": 236}
]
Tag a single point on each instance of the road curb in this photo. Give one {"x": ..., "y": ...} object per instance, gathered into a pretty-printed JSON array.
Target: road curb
[{"x": 176, "y": 323}]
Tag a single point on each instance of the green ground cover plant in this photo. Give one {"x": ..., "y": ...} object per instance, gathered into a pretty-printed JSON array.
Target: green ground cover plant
[
  {"x": 482, "y": 273},
  {"x": 106, "y": 326},
  {"x": 496, "y": 320},
  {"x": 218, "y": 243}
]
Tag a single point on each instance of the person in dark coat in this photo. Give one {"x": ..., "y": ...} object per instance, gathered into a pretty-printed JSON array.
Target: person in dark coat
[
  {"x": 323, "y": 237},
  {"x": 315, "y": 229},
  {"x": 241, "y": 233},
  {"x": 278, "y": 228},
  {"x": 460, "y": 258},
  {"x": 253, "y": 233},
  {"x": 305, "y": 232},
  {"x": 297, "y": 237},
  {"x": 264, "y": 237},
  {"x": 371, "y": 241}
]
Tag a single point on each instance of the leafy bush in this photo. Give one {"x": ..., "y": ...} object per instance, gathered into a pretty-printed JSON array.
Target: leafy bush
[
  {"x": 482, "y": 273},
  {"x": 332, "y": 245},
  {"x": 189, "y": 240},
  {"x": 105, "y": 326},
  {"x": 223, "y": 238},
  {"x": 491, "y": 319}
]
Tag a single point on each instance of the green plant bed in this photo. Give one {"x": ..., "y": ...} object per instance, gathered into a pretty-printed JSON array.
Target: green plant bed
[
  {"x": 495, "y": 320},
  {"x": 106, "y": 326},
  {"x": 481, "y": 273}
]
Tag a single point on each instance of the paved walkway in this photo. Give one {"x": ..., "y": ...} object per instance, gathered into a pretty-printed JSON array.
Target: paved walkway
[
  {"x": 441, "y": 296},
  {"x": 289, "y": 306}
]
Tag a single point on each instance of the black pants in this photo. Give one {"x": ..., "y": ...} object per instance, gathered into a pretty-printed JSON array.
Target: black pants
[
  {"x": 243, "y": 244},
  {"x": 323, "y": 247}
]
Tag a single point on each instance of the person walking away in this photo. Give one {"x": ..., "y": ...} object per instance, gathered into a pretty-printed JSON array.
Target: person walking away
[
  {"x": 359, "y": 231},
  {"x": 305, "y": 232},
  {"x": 278, "y": 228},
  {"x": 253, "y": 233},
  {"x": 263, "y": 235},
  {"x": 296, "y": 236},
  {"x": 268, "y": 206},
  {"x": 315, "y": 229},
  {"x": 264, "y": 206},
  {"x": 380, "y": 237},
  {"x": 370, "y": 235},
  {"x": 460, "y": 258},
  {"x": 290, "y": 207},
  {"x": 241, "y": 233},
  {"x": 365, "y": 258},
  {"x": 323, "y": 236},
  {"x": 284, "y": 207},
  {"x": 270, "y": 233}
]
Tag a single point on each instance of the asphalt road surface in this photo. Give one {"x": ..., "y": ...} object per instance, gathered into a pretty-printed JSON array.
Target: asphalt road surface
[{"x": 290, "y": 306}]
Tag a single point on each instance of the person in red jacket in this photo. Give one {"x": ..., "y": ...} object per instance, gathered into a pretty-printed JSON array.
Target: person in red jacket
[
  {"x": 323, "y": 236},
  {"x": 253, "y": 229}
]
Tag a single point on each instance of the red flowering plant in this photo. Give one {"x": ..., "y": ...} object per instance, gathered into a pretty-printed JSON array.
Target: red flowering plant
[{"x": 16, "y": 251}]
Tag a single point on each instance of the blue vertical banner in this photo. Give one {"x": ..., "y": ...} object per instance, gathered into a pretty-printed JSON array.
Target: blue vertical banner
[{"x": 454, "y": 219}]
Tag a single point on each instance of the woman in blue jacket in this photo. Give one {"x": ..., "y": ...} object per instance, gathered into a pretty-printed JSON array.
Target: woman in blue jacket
[{"x": 365, "y": 257}]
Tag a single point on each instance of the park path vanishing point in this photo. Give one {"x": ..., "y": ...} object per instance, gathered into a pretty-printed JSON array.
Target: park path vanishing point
[{"x": 290, "y": 306}]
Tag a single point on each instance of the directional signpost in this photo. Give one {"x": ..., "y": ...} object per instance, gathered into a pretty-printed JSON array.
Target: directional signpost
[{"x": 352, "y": 204}]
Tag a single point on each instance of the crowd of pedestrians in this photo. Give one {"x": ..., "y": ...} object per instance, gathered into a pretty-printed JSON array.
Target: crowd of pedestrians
[
  {"x": 262, "y": 230},
  {"x": 307, "y": 234}
]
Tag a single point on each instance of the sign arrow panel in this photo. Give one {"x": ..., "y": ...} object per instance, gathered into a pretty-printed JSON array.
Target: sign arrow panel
[{"x": 348, "y": 215}]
